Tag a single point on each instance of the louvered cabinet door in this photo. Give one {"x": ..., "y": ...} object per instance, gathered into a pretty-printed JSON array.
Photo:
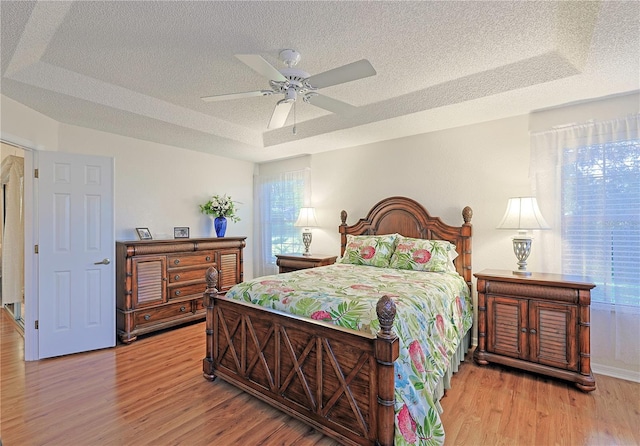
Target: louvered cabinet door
[
  {"x": 149, "y": 284},
  {"x": 506, "y": 322},
  {"x": 553, "y": 334},
  {"x": 229, "y": 269}
]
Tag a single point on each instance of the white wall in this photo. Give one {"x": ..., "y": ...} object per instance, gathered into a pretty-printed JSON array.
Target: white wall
[
  {"x": 156, "y": 186},
  {"x": 160, "y": 186},
  {"x": 479, "y": 166}
]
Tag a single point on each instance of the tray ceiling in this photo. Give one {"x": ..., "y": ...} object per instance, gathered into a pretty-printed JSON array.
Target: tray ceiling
[{"x": 139, "y": 68}]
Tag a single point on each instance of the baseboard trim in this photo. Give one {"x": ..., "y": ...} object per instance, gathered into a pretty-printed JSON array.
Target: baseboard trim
[{"x": 628, "y": 375}]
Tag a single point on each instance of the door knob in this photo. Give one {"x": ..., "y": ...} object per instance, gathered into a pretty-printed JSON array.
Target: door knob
[{"x": 103, "y": 262}]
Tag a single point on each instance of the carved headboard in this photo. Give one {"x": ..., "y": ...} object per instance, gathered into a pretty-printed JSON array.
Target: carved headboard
[{"x": 409, "y": 218}]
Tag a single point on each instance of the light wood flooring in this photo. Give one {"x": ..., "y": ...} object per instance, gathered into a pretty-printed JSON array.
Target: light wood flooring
[{"x": 152, "y": 393}]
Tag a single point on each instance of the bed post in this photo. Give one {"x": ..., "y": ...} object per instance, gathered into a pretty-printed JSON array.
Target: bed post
[
  {"x": 467, "y": 213},
  {"x": 343, "y": 232},
  {"x": 387, "y": 351},
  {"x": 208, "y": 302}
]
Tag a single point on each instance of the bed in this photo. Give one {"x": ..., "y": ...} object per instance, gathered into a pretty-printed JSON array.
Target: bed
[{"x": 354, "y": 369}]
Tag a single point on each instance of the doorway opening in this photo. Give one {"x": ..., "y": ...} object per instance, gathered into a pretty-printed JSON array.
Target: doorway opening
[{"x": 12, "y": 232}]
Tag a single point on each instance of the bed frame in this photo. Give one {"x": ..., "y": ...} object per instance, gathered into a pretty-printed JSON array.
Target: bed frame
[{"x": 340, "y": 381}]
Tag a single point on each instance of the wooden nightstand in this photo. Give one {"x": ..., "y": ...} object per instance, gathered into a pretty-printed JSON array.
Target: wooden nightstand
[
  {"x": 294, "y": 262},
  {"x": 539, "y": 323}
]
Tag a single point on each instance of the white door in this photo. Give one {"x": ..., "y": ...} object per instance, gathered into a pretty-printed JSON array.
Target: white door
[{"x": 76, "y": 283}]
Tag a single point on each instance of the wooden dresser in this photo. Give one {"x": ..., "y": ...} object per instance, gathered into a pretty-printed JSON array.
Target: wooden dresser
[
  {"x": 294, "y": 262},
  {"x": 539, "y": 323},
  {"x": 159, "y": 283}
]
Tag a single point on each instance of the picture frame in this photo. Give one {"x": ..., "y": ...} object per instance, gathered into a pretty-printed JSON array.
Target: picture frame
[
  {"x": 144, "y": 233},
  {"x": 181, "y": 232}
]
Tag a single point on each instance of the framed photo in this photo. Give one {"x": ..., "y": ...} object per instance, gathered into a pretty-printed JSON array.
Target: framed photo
[
  {"x": 181, "y": 232},
  {"x": 144, "y": 233}
]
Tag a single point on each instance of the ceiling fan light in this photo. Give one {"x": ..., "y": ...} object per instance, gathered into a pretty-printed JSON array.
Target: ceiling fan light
[{"x": 290, "y": 95}]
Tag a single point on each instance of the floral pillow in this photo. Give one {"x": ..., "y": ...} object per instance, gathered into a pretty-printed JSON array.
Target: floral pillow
[
  {"x": 423, "y": 255},
  {"x": 371, "y": 250}
]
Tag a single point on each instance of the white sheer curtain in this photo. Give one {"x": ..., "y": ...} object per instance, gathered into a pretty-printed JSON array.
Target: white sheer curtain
[
  {"x": 13, "y": 236},
  {"x": 551, "y": 154},
  {"x": 278, "y": 198},
  {"x": 548, "y": 154}
]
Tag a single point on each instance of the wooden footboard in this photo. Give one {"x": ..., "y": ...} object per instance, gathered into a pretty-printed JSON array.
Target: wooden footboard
[{"x": 338, "y": 380}]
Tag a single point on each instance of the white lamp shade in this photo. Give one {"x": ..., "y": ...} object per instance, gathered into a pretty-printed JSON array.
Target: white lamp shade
[
  {"x": 523, "y": 213},
  {"x": 307, "y": 218}
]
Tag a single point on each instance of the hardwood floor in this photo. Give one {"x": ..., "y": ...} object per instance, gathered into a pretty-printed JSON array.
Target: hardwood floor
[
  {"x": 153, "y": 392},
  {"x": 149, "y": 392},
  {"x": 496, "y": 405}
]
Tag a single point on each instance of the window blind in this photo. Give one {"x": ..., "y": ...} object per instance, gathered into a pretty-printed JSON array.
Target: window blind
[
  {"x": 286, "y": 197},
  {"x": 601, "y": 218}
]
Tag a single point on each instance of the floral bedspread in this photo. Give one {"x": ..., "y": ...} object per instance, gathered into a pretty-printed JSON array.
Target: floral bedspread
[{"x": 433, "y": 314}]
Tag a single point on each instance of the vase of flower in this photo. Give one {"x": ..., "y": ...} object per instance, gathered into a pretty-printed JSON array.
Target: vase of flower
[
  {"x": 220, "y": 225},
  {"x": 223, "y": 208}
]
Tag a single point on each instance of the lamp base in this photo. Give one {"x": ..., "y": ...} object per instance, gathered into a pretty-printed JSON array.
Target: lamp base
[
  {"x": 522, "y": 249},
  {"x": 306, "y": 239},
  {"x": 521, "y": 273}
]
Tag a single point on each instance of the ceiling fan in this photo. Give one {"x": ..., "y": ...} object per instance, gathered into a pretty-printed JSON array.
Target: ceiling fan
[{"x": 295, "y": 83}]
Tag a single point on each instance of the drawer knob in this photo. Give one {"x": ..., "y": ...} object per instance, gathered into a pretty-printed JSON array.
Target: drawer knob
[
  {"x": 524, "y": 330},
  {"x": 182, "y": 309},
  {"x": 177, "y": 292},
  {"x": 147, "y": 317},
  {"x": 177, "y": 277},
  {"x": 533, "y": 331},
  {"x": 208, "y": 258},
  {"x": 176, "y": 261}
]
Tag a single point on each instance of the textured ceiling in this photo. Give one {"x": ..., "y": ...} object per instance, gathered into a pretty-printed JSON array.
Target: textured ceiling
[{"x": 139, "y": 68}]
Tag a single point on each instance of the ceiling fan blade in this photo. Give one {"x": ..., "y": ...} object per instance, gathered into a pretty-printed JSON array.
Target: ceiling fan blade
[
  {"x": 261, "y": 66},
  {"x": 330, "y": 104},
  {"x": 340, "y": 75},
  {"x": 280, "y": 114},
  {"x": 246, "y": 94}
]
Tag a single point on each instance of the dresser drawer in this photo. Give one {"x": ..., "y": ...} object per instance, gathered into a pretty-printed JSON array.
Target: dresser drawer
[
  {"x": 197, "y": 258},
  {"x": 198, "y": 306},
  {"x": 188, "y": 289},
  {"x": 160, "y": 314},
  {"x": 188, "y": 275}
]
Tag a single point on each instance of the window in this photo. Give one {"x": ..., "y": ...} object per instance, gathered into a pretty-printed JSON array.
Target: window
[
  {"x": 279, "y": 198},
  {"x": 285, "y": 198},
  {"x": 600, "y": 218}
]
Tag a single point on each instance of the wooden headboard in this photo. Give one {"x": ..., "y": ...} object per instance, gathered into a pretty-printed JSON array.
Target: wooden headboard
[{"x": 409, "y": 218}]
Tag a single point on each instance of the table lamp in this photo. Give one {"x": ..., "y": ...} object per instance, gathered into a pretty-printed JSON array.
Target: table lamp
[
  {"x": 307, "y": 220},
  {"x": 523, "y": 215}
]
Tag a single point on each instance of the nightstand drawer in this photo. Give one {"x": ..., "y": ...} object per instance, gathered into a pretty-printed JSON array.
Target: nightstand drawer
[
  {"x": 529, "y": 291},
  {"x": 295, "y": 262}
]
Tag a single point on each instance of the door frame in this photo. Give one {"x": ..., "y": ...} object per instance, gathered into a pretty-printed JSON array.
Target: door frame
[{"x": 31, "y": 293}]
